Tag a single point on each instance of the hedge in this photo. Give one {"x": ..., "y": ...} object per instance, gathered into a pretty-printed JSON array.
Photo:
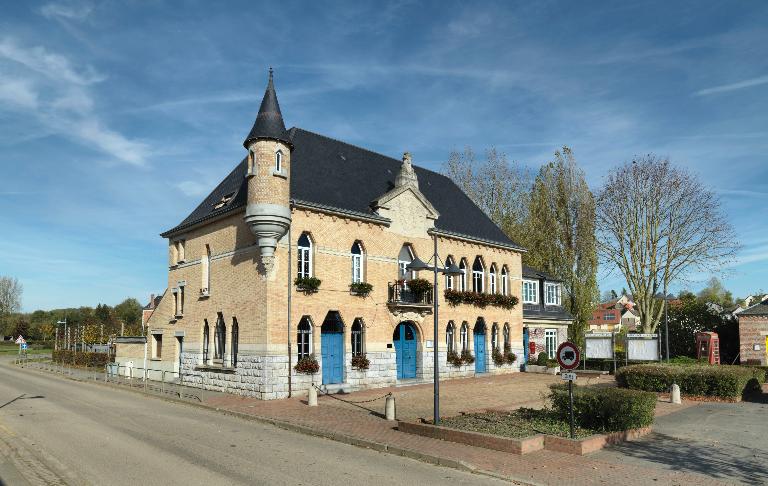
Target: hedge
[
  {"x": 721, "y": 381},
  {"x": 605, "y": 409},
  {"x": 80, "y": 358}
]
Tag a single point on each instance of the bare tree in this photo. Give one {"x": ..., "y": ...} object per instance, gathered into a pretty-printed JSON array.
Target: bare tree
[
  {"x": 657, "y": 224},
  {"x": 10, "y": 295},
  {"x": 499, "y": 187}
]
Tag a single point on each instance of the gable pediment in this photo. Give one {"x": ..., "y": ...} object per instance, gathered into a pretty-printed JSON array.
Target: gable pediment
[{"x": 409, "y": 211}]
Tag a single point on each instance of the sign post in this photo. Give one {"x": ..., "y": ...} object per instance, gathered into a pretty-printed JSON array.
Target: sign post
[{"x": 568, "y": 357}]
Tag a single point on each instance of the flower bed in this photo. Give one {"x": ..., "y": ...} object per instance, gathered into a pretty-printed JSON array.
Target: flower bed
[{"x": 523, "y": 422}]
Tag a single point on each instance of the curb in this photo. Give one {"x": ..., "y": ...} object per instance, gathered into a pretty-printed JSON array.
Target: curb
[{"x": 306, "y": 430}]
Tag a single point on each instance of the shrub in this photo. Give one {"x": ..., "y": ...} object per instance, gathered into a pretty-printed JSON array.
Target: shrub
[
  {"x": 509, "y": 356},
  {"x": 721, "y": 381},
  {"x": 763, "y": 368},
  {"x": 605, "y": 408},
  {"x": 360, "y": 362},
  {"x": 360, "y": 288},
  {"x": 466, "y": 357},
  {"x": 498, "y": 358},
  {"x": 454, "y": 359},
  {"x": 307, "y": 284},
  {"x": 307, "y": 365},
  {"x": 687, "y": 361},
  {"x": 80, "y": 358},
  {"x": 456, "y": 297},
  {"x": 542, "y": 358}
]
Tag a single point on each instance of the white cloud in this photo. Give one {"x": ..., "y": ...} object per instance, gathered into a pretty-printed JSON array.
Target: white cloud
[
  {"x": 748, "y": 83},
  {"x": 18, "y": 92},
  {"x": 91, "y": 130},
  {"x": 72, "y": 11},
  {"x": 192, "y": 188},
  {"x": 50, "y": 65}
]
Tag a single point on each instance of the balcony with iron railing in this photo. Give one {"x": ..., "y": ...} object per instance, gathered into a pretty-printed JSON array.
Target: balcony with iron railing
[{"x": 400, "y": 295}]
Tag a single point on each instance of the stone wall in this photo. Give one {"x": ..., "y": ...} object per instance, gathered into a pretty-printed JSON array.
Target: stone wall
[{"x": 752, "y": 335}]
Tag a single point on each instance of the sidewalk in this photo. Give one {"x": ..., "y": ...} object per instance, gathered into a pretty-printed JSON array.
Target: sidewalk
[{"x": 363, "y": 425}]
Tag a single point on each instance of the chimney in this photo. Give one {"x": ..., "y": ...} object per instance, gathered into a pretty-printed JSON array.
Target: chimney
[{"x": 151, "y": 301}]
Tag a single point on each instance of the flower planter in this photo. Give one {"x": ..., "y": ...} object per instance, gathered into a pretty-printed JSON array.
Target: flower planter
[{"x": 531, "y": 368}]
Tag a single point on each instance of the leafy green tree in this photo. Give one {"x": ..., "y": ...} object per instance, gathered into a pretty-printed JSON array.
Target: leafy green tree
[
  {"x": 716, "y": 293},
  {"x": 561, "y": 235},
  {"x": 129, "y": 312}
]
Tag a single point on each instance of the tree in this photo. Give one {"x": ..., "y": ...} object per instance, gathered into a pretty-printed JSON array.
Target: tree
[
  {"x": 561, "y": 235},
  {"x": 716, "y": 293},
  {"x": 129, "y": 311},
  {"x": 657, "y": 223},
  {"x": 609, "y": 295},
  {"x": 10, "y": 295},
  {"x": 498, "y": 187}
]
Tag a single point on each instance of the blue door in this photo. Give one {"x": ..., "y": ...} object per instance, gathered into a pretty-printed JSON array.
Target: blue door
[
  {"x": 526, "y": 338},
  {"x": 405, "y": 350},
  {"x": 479, "y": 350},
  {"x": 332, "y": 351}
]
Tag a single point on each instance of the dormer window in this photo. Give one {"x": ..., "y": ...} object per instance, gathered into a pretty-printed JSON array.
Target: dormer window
[
  {"x": 224, "y": 200},
  {"x": 530, "y": 292},
  {"x": 279, "y": 161},
  {"x": 552, "y": 294}
]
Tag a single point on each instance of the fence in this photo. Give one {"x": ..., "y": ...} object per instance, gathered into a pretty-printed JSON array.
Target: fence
[{"x": 153, "y": 381}]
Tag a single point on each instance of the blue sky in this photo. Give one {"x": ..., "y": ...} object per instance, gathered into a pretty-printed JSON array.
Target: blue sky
[{"x": 117, "y": 117}]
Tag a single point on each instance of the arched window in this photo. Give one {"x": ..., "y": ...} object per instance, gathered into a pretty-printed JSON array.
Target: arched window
[
  {"x": 221, "y": 339},
  {"x": 449, "y": 331},
  {"x": 403, "y": 259},
  {"x": 206, "y": 266},
  {"x": 305, "y": 256},
  {"x": 279, "y": 161},
  {"x": 235, "y": 342},
  {"x": 478, "y": 272},
  {"x": 504, "y": 281},
  {"x": 304, "y": 338},
  {"x": 251, "y": 162},
  {"x": 495, "y": 336},
  {"x": 507, "y": 345},
  {"x": 357, "y": 263},
  {"x": 464, "y": 334},
  {"x": 206, "y": 340},
  {"x": 463, "y": 277},
  {"x": 492, "y": 279},
  {"x": 357, "y": 337},
  {"x": 449, "y": 278}
]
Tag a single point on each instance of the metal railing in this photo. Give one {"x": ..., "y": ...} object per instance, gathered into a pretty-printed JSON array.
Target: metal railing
[{"x": 399, "y": 293}]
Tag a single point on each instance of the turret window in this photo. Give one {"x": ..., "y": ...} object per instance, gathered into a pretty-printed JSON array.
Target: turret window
[
  {"x": 279, "y": 161},
  {"x": 305, "y": 256}
]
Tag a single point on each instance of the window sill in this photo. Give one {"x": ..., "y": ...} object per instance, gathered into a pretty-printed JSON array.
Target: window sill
[
  {"x": 204, "y": 296},
  {"x": 155, "y": 359},
  {"x": 178, "y": 316},
  {"x": 216, "y": 368},
  {"x": 279, "y": 174}
]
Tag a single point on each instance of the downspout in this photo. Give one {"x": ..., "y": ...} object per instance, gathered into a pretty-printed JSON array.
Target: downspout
[{"x": 290, "y": 345}]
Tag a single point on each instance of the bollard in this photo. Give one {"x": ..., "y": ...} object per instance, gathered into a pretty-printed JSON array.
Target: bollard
[
  {"x": 674, "y": 396},
  {"x": 312, "y": 400},
  {"x": 389, "y": 408}
]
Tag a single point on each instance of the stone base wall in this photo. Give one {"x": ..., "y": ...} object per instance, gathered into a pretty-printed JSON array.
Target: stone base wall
[
  {"x": 266, "y": 377},
  {"x": 752, "y": 333}
]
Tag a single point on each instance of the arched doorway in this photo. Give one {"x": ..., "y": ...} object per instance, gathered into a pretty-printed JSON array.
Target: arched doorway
[
  {"x": 332, "y": 348},
  {"x": 479, "y": 332},
  {"x": 404, "y": 338}
]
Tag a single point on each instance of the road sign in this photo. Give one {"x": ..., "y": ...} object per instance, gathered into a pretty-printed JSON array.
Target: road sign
[
  {"x": 23, "y": 345},
  {"x": 20, "y": 340},
  {"x": 568, "y": 356},
  {"x": 568, "y": 376}
]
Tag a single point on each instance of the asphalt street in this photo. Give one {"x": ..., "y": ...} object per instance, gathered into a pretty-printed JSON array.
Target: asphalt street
[{"x": 57, "y": 431}]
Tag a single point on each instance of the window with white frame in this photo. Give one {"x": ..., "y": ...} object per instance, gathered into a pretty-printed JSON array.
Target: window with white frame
[
  {"x": 404, "y": 258},
  {"x": 304, "y": 338},
  {"x": 551, "y": 294},
  {"x": 478, "y": 274},
  {"x": 464, "y": 335},
  {"x": 492, "y": 279},
  {"x": 463, "y": 276},
  {"x": 504, "y": 281},
  {"x": 357, "y": 263},
  {"x": 449, "y": 337},
  {"x": 357, "y": 337},
  {"x": 449, "y": 278},
  {"x": 530, "y": 292},
  {"x": 304, "y": 256},
  {"x": 279, "y": 161},
  {"x": 550, "y": 340}
]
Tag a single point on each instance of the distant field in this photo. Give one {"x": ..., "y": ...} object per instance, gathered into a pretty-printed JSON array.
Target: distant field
[{"x": 13, "y": 348}]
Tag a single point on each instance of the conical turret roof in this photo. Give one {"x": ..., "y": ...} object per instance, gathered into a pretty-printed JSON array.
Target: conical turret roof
[{"x": 269, "y": 122}]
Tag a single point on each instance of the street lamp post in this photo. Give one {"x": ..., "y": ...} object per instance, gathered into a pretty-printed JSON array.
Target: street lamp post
[{"x": 417, "y": 265}]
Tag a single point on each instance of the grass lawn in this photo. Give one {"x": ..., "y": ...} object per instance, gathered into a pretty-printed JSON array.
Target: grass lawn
[
  {"x": 7, "y": 348},
  {"x": 520, "y": 423}
]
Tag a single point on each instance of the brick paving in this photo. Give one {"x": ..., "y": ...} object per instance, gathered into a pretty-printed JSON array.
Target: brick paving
[{"x": 364, "y": 422}]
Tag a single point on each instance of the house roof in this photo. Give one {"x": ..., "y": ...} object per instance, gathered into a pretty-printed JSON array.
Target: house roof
[
  {"x": 760, "y": 309},
  {"x": 269, "y": 121},
  {"x": 336, "y": 175},
  {"x": 531, "y": 272}
]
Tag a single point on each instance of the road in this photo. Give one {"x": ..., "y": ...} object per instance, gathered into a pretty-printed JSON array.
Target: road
[{"x": 57, "y": 431}]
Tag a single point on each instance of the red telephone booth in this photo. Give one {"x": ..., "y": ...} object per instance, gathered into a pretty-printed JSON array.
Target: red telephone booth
[{"x": 708, "y": 347}]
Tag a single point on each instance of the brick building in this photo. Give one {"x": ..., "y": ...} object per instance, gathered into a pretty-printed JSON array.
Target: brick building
[
  {"x": 545, "y": 320},
  {"x": 243, "y": 303},
  {"x": 753, "y": 333},
  {"x": 614, "y": 315}
]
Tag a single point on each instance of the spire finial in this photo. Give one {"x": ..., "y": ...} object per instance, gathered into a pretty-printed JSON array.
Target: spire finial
[{"x": 270, "y": 73}]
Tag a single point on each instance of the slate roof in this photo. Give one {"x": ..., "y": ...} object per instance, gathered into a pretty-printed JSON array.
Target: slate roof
[
  {"x": 760, "y": 309},
  {"x": 530, "y": 272},
  {"x": 329, "y": 173},
  {"x": 269, "y": 121}
]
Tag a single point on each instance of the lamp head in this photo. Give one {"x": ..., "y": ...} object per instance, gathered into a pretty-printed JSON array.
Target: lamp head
[{"x": 417, "y": 265}]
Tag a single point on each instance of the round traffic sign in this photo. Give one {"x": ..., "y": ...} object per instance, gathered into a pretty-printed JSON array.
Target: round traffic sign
[{"x": 568, "y": 355}]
